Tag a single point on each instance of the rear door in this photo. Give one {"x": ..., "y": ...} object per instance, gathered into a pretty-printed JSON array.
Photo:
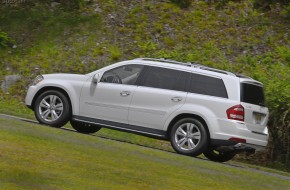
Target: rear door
[
  {"x": 160, "y": 93},
  {"x": 252, "y": 99}
]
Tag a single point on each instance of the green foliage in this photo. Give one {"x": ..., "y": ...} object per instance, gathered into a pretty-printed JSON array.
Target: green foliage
[
  {"x": 115, "y": 53},
  {"x": 286, "y": 11},
  {"x": 182, "y": 3},
  {"x": 266, "y": 5},
  {"x": 4, "y": 40},
  {"x": 72, "y": 4}
]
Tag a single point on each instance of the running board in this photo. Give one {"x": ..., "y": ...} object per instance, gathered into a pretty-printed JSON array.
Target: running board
[{"x": 123, "y": 127}]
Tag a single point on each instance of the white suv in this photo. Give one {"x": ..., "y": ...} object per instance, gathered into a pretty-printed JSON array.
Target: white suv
[{"x": 199, "y": 109}]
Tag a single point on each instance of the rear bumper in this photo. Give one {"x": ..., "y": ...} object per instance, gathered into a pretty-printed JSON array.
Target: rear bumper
[
  {"x": 229, "y": 143},
  {"x": 230, "y": 129}
]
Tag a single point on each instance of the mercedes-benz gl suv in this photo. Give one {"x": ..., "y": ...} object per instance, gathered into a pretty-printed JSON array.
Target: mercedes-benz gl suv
[{"x": 200, "y": 110}]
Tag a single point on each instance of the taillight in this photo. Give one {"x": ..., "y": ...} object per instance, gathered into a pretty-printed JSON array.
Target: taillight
[{"x": 236, "y": 113}]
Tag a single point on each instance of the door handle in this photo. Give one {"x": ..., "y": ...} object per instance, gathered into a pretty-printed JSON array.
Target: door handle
[
  {"x": 176, "y": 99},
  {"x": 125, "y": 93}
]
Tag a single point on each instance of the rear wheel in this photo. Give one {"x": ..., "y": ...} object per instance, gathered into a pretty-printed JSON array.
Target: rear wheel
[
  {"x": 217, "y": 156},
  {"x": 84, "y": 127},
  {"x": 189, "y": 136},
  {"x": 52, "y": 108}
]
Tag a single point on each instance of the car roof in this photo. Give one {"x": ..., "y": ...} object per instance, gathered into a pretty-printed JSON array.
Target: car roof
[
  {"x": 187, "y": 66},
  {"x": 193, "y": 67}
]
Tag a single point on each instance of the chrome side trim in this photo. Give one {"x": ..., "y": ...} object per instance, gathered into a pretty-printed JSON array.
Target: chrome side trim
[
  {"x": 144, "y": 110},
  {"x": 107, "y": 105}
]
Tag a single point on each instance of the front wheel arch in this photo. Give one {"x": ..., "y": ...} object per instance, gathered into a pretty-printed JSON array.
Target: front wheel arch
[
  {"x": 51, "y": 88},
  {"x": 54, "y": 101}
]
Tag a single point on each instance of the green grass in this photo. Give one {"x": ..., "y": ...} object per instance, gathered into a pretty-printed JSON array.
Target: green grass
[
  {"x": 37, "y": 157},
  {"x": 12, "y": 106},
  {"x": 8, "y": 105}
]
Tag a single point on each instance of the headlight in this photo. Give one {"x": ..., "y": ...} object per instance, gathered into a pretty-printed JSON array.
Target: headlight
[{"x": 38, "y": 79}]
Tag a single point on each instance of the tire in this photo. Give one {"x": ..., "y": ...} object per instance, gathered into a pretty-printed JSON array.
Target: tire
[
  {"x": 216, "y": 156},
  {"x": 84, "y": 127},
  {"x": 189, "y": 136},
  {"x": 52, "y": 108}
]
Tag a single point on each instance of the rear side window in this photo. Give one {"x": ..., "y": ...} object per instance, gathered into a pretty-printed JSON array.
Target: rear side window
[
  {"x": 201, "y": 84},
  {"x": 252, "y": 94},
  {"x": 170, "y": 79}
]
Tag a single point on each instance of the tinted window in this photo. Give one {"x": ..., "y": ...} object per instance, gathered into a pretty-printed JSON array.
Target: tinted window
[
  {"x": 170, "y": 79},
  {"x": 201, "y": 84},
  {"x": 127, "y": 74},
  {"x": 252, "y": 94}
]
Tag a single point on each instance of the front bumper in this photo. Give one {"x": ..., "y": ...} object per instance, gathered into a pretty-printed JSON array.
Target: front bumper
[{"x": 29, "y": 96}]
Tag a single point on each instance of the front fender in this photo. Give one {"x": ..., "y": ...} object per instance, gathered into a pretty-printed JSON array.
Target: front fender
[{"x": 72, "y": 90}]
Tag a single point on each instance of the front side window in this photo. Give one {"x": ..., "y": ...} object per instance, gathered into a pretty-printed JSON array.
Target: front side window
[
  {"x": 127, "y": 74},
  {"x": 164, "y": 78},
  {"x": 206, "y": 85}
]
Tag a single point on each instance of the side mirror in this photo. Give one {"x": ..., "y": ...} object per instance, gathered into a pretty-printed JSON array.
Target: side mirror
[{"x": 96, "y": 78}]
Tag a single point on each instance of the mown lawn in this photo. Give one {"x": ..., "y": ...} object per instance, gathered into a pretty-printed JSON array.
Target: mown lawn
[{"x": 37, "y": 157}]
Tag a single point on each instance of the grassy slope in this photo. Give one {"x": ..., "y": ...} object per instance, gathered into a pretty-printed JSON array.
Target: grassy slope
[{"x": 38, "y": 157}]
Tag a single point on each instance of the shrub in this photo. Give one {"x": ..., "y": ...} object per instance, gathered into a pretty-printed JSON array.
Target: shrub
[
  {"x": 4, "y": 40},
  {"x": 182, "y": 3}
]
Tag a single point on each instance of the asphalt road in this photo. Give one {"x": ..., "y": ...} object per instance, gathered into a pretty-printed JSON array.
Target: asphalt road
[{"x": 123, "y": 141}]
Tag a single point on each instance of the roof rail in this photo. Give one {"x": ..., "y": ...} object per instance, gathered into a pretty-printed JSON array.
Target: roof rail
[
  {"x": 164, "y": 60},
  {"x": 189, "y": 64},
  {"x": 242, "y": 76}
]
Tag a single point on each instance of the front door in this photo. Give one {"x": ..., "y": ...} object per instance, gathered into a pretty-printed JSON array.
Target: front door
[{"x": 110, "y": 98}]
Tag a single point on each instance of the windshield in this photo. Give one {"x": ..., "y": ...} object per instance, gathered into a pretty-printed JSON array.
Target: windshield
[{"x": 253, "y": 94}]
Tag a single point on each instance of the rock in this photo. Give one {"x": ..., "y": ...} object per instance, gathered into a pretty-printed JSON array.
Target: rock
[
  {"x": 54, "y": 4},
  {"x": 8, "y": 81},
  {"x": 14, "y": 46},
  {"x": 98, "y": 10}
]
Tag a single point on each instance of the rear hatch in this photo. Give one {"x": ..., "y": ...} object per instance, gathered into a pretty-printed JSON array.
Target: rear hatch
[{"x": 253, "y": 101}]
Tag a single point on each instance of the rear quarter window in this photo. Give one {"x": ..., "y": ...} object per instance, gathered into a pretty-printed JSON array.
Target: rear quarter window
[{"x": 206, "y": 85}]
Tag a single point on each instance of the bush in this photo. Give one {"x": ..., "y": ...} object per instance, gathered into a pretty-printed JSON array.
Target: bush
[
  {"x": 4, "y": 40},
  {"x": 182, "y": 3},
  {"x": 72, "y": 4},
  {"x": 286, "y": 11}
]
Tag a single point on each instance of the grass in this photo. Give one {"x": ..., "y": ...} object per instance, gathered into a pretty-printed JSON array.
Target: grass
[
  {"x": 8, "y": 105},
  {"x": 37, "y": 157}
]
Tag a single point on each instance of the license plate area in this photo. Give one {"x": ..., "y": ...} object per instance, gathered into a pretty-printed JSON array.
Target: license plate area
[{"x": 258, "y": 118}]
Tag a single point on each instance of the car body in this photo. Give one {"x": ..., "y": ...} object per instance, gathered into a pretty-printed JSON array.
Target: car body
[{"x": 198, "y": 108}]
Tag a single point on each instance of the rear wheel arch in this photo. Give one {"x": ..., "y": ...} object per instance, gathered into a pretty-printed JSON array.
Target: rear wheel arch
[{"x": 186, "y": 115}]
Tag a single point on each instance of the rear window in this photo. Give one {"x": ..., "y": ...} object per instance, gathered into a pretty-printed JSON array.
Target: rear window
[{"x": 252, "y": 94}]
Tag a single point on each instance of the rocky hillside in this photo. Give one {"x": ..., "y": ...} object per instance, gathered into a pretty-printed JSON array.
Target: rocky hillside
[{"x": 81, "y": 36}]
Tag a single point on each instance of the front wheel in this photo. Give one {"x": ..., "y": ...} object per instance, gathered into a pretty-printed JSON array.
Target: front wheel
[
  {"x": 52, "y": 108},
  {"x": 217, "y": 156},
  {"x": 84, "y": 127},
  {"x": 189, "y": 136}
]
